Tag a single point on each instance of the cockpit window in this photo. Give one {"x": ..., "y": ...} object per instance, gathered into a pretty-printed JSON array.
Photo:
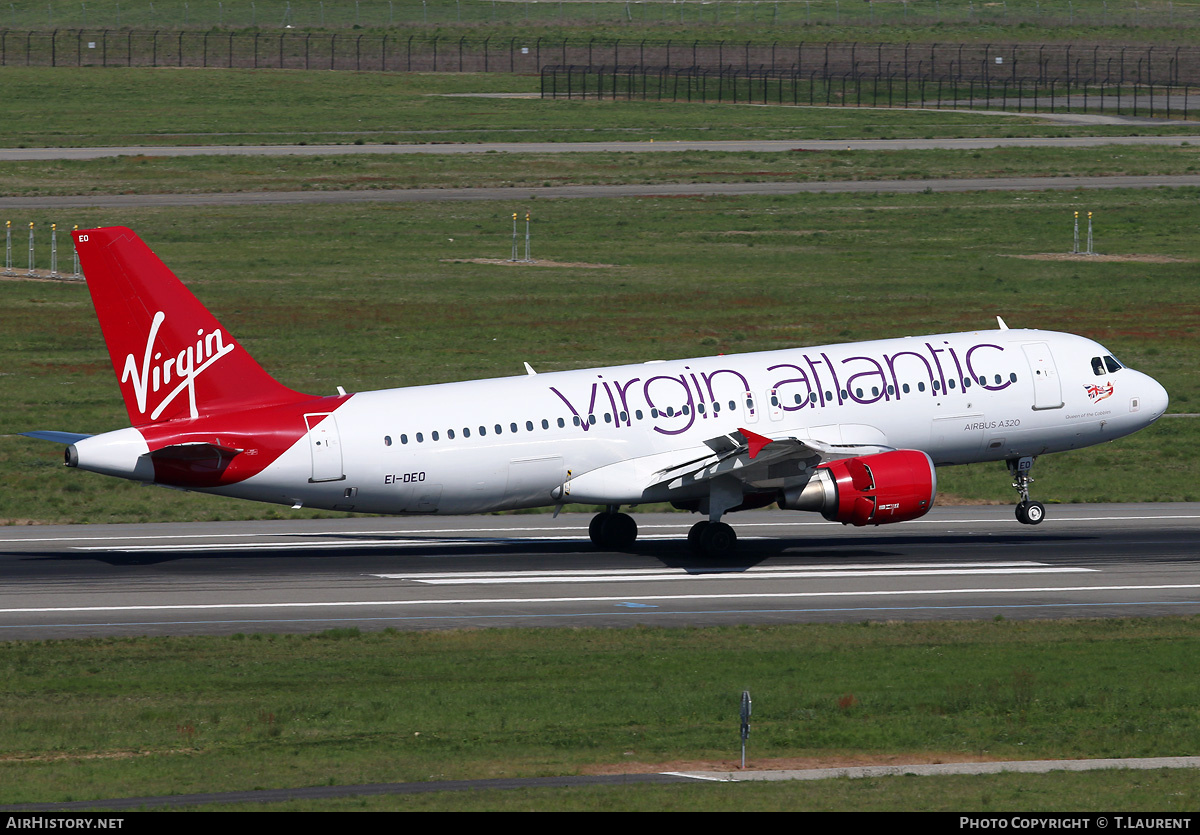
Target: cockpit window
[
  {"x": 1098, "y": 366},
  {"x": 1112, "y": 364}
]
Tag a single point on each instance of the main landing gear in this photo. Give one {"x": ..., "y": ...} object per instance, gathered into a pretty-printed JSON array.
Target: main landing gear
[
  {"x": 712, "y": 539},
  {"x": 613, "y": 531},
  {"x": 1028, "y": 512}
]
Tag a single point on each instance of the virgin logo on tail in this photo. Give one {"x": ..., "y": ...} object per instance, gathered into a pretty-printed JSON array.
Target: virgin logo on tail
[{"x": 182, "y": 367}]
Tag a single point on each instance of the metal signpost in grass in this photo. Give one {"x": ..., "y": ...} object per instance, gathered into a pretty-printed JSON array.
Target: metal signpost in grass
[
  {"x": 527, "y": 258},
  {"x": 1089, "y": 250},
  {"x": 745, "y": 723}
]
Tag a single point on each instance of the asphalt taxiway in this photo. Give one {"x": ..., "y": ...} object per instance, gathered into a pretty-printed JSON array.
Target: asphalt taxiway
[{"x": 534, "y": 570}]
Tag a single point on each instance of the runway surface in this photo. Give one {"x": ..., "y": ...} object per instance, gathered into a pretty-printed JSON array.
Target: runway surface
[{"x": 533, "y": 570}]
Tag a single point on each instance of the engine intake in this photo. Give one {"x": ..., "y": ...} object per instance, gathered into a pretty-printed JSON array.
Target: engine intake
[{"x": 869, "y": 490}]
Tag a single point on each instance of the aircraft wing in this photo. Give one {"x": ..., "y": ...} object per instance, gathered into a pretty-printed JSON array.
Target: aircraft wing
[{"x": 757, "y": 459}]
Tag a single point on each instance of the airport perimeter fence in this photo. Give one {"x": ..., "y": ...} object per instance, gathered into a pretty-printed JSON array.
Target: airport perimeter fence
[
  {"x": 410, "y": 52},
  {"x": 767, "y": 85},
  {"x": 377, "y": 14}
]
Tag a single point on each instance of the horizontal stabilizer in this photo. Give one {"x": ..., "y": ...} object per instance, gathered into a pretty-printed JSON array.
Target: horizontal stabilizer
[{"x": 56, "y": 437}]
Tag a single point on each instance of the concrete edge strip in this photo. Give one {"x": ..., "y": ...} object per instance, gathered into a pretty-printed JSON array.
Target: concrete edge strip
[{"x": 509, "y": 783}]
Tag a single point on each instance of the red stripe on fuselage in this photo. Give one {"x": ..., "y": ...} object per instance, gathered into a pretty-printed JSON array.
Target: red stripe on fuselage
[{"x": 262, "y": 433}]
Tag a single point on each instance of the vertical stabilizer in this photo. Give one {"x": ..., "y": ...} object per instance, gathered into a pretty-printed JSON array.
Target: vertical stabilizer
[{"x": 172, "y": 358}]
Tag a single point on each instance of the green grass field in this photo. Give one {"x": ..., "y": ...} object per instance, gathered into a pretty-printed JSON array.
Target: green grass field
[
  {"x": 112, "y": 718},
  {"x": 86, "y": 107},
  {"x": 149, "y": 174},
  {"x": 913, "y": 20}
]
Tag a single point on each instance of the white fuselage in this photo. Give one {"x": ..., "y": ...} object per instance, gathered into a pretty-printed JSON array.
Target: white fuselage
[{"x": 526, "y": 441}]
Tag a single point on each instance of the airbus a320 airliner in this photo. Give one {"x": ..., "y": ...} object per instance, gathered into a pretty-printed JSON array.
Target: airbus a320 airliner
[{"x": 852, "y": 431}]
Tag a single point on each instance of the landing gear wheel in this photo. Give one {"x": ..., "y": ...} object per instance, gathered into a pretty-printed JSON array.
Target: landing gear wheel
[
  {"x": 594, "y": 529},
  {"x": 1030, "y": 513},
  {"x": 613, "y": 531},
  {"x": 713, "y": 539}
]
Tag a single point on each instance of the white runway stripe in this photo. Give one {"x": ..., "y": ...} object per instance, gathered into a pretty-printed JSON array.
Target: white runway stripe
[
  {"x": 660, "y": 598},
  {"x": 755, "y": 573}
]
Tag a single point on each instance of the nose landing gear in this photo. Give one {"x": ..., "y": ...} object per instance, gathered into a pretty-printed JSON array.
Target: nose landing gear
[{"x": 1028, "y": 512}]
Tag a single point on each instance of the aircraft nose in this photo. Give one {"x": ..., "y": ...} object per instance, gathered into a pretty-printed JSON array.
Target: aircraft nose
[{"x": 1156, "y": 399}]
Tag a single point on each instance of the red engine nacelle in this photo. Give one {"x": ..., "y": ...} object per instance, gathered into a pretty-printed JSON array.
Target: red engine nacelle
[{"x": 870, "y": 490}]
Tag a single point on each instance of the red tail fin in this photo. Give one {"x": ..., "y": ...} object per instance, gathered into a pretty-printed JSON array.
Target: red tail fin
[{"x": 173, "y": 359}]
